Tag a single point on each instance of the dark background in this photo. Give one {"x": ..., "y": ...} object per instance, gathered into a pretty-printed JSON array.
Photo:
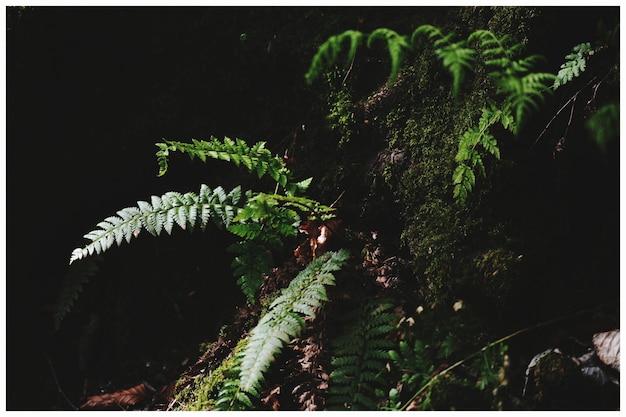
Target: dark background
[{"x": 89, "y": 92}]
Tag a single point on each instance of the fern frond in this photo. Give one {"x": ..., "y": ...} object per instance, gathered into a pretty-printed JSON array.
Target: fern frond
[
  {"x": 525, "y": 93},
  {"x": 328, "y": 53},
  {"x": 455, "y": 56},
  {"x": 252, "y": 261},
  {"x": 360, "y": 356},
  {"x": 396, "y": 45},
  {"x": 284, "y": 320},
  {"x": 575, "y": 64},
  {"x": 162, "y": 213},
  {"x": 77, "y": 276},
  {"x": 256, "y": 159},
  {"x": 468, "y": 156}
]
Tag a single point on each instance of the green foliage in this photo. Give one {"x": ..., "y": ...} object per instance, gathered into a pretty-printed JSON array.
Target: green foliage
[
  {"x": 161, "y": 214},
  {"x": 523, "y": 89},
  {"x": 328, "y": 53},
  {"x": 396, "y": 45},
  {"x": 436, "y": 336},
  {"x": 283, "y": 322},
  {"x": 575, "y": 64},
  {"x": 256, "y": 159},
  {"x": 468, "y": 157},
  {"x": 360, "y": 356},
  {"x": 603, "y": 125},
  {"x": 456, "y": 57},
  {"x": 77, "y": 276},
  {"x": 261, "y": 220}
]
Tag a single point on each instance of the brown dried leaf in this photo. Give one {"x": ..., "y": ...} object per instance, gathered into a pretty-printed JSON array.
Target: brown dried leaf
[
  {"x": 119, "y": 399},
  {"x": 607, "y": 348}
]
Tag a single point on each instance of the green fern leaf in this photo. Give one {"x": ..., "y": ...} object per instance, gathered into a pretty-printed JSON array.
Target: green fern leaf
[
  {"x": 360, "y": 356},
  {"x": 251, "y": 263},
  {"x": 396, "y": 45},
  {"x": 328, "y": 53},
  {"x": 456, "y": 57},
  {"x": 256, "y": 159},
  {"x": 283, "y": 322},
  {"x": 575, "y": 64},
  {"x": 77, "y": 276},
  {"x": 171, "y": 208}
]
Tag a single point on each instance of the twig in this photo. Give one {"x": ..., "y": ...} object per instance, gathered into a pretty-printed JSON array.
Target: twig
[
  {"x": 573, "y": 98},
  {"x": 485, "y": 348},
  {"x": 56, "y": 381}
]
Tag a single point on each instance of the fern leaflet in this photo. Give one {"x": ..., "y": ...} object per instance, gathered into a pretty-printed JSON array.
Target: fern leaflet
[
  {"x": 575, "y": 64},
  {"x": 162, "y": 213},
  {"x": 256, "y": 159},
  {"x": 284, "y": 321},
  {"x": 328, "y": 53},
  {"x": 468, "y": 156},
  {"x": 252, "y": 261},
  {"x": 396, "y": 44},
  {"x": 456, "y": 58},
  {"x": 77, "y": 276},
  {"x": 522, "y": 88},
  {"x": 361, "y": 356}
]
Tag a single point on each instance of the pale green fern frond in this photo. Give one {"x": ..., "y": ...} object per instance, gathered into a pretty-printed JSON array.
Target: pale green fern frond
[
  {"x": 162, "y": 213},
  {"x": 283, "y": 322},
  {"x": 455, "y": 56},
  {"x": 396, "y": 45},
  {"x": 328, "y": 53},
  {"x": 575, "y": 64},
  {"x": 360, "y": 356}
]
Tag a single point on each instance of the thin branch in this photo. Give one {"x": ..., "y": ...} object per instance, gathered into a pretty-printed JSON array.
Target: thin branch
[
  {"x": 485, "y": 348},
  {"x": 573, "y": 98},
  {"x": 56, "y": 381}
]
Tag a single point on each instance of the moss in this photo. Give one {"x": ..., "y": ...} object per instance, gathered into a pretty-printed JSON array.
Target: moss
[{"x": 202, "y": 392}]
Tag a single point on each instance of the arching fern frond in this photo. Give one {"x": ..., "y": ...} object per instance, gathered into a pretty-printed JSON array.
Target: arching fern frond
[
  {"x": 162, "y": 213},
  {"x": 360, "y": 356},
  {"x": 455, "y": 56},
  {"x": 328, "y": 53},
  {"x": 283, "y": 322},
  {"x": 396, "y": 45},
  {"x": 256, "y": 159}
]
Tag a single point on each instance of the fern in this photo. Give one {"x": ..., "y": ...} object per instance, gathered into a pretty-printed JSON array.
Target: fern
[
  {"x": 77, "y": 276},
  {"x": 162, "y": 213},
  {"x": 468, "y": 156},
  {"x": 328, "y": 53},
  {"x": 522, "y": 88},
  {"x": 360, "y": 357},
  {"x": 283, "y": 322},
  {"x": 456, "y": 57},
  {"x": 256, "y": 159},
  {"x": 261, "y": 220},
  {"x": 396, "y": 45},
  {"x": 575, "y": 64}
]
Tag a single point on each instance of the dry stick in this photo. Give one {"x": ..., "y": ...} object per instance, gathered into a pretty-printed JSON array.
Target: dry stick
[
  {"x": 56, "y": 381},
  {"x": 573, "y": 98},
  {"x": 484, "y": 349}
]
